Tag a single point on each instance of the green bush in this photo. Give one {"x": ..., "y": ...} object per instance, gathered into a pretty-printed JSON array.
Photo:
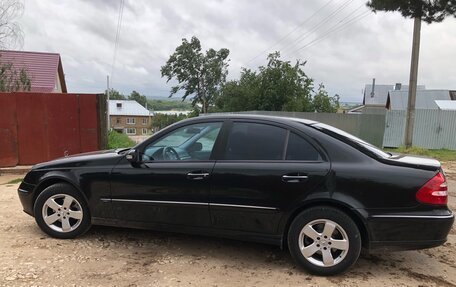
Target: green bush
[
  {"x": 118, "y": 140},
  {"x": 440, "y": 154}
]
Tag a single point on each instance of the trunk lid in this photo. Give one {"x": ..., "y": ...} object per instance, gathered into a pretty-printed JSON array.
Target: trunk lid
[{"x": 414, "y": 161}]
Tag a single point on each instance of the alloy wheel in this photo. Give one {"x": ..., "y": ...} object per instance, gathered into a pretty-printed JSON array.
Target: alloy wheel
[
  {"x": 62, "y": 213},
  {"x": 323, "y": 243}
]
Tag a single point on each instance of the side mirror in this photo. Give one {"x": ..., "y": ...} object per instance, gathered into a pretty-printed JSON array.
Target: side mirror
[
  {"x": 132, "y": 156},
  {"x": 197, "y": 146}
]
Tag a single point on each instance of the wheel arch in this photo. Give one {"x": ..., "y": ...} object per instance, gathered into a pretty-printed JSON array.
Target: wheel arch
[
  {"x": 353, "y": 214},
  {"x": 51, "y": 180}
]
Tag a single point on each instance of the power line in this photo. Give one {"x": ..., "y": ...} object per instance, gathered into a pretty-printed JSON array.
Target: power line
[
  {"x": 336, "y": 29},
  {"x": 289, "y": 33},
  {"x": 318, "y": 26},
  {"x": 116, "y": 43}
]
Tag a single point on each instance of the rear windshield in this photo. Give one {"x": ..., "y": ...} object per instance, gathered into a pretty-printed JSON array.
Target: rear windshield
[{"x": 348, "y": 137}]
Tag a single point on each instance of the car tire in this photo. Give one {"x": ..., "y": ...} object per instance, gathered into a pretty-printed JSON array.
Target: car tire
[
  {"x": 61, "y": 211},
  {"x": 324, "y": 240}
]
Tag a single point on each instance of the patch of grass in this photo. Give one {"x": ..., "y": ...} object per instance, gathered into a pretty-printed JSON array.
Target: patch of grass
[
  {"x": 440, "y": 154},
  {"x": 14, "y": 181},
  {"x": 118, "y": 140}
]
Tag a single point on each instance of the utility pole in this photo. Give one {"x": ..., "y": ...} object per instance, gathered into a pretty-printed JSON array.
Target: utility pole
[
  {"x": 413, "y": 83},
  {"x": 107, "y": 104}
]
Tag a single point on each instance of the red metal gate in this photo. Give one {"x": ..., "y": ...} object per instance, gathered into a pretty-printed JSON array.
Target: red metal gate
[{"x": 37, "y": 127}]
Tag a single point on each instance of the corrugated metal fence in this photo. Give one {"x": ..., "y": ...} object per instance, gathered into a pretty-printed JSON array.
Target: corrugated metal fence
[
  {"x": 36, "y": 127},
  {"x": 433, "y": 129}
]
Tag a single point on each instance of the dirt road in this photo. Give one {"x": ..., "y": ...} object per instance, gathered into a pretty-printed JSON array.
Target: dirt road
[{"x": 124, "y": 257}]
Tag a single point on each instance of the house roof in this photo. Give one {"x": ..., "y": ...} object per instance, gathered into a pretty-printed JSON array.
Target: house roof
[
  {"x": 42, "y": 68},
  {"x": 127, "y": 108},
  {"x": 380, "y": 93},
  {"x": 446, "y": 105},
  {"x": 378, "y": 96},
  {"x": 425, "y": 99}
]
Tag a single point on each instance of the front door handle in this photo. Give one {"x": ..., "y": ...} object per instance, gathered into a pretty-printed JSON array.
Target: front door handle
[
  {"x": 197, "y": 175},
  {"x": 294, "y": 178}
]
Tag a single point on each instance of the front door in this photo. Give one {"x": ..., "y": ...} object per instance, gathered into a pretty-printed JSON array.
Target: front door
[{"x": 171, "y": 184}]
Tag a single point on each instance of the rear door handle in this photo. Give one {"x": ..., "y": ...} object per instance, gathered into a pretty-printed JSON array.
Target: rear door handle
[
  {"x": 197, "y": 175},
  {"x": 294, "y": 178}
]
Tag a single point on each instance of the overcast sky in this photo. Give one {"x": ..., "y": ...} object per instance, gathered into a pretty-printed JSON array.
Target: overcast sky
[{"x": 343, "y": 58}]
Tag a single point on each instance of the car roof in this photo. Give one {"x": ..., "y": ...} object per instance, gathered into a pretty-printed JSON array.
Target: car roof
[{"x": 258, "y": 117}]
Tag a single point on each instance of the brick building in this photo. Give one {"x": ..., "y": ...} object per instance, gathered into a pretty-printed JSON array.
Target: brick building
[{"x": 129, "y": 117}]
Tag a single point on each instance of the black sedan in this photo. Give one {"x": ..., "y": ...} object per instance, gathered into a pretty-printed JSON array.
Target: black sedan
[{"x": 294, "y": 183}]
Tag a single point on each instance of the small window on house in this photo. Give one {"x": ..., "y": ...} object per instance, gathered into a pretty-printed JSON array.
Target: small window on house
[
  {"x": 145, "y": 121},
  {"x": 144, "y": 131},
  {"x": 118, "y": 120},
  {"x": 130, "y": 131},
  {"x": 119, "y": 105},
  {"x": 131, "y": 121}
]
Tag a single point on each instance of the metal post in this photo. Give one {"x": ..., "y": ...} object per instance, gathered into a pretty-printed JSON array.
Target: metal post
[
  {"x": 413, "y": 83},
  {"x": 107, "y": 104}
]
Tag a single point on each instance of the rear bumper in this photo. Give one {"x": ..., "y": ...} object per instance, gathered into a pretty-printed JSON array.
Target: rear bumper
[{"x": 405, "y": 232}]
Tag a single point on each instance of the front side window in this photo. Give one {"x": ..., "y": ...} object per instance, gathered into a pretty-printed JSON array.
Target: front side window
[
  {"x": 192, "y": 142},
  {"x": 130, "y": 121},
  {"x": 144, "y": 121},
  {"x": 253, "y": 141}
]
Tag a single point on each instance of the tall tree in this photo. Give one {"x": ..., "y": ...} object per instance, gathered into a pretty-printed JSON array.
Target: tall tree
[
  {"x": 115, "y": 95},
  {"x": 10, "y": 31},
  {"x": 323, "y": 103},
  {"x": 278, "y": 86},
  {"x": 141, "y": 99},
  {"x": 13, "y": 79},
  {"x": 429, "y": 11},
  {"x": 200, "y": 75}
]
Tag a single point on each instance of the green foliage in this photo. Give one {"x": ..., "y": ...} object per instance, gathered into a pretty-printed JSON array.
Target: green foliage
[
  {"x": 198, "y": 74},
  {"x": 428, "y": 11},
  {"x": 323, "y": 103},
  {"x": 115, "y": 95},
  {"x": 14, "y": 181},
  {"x": 280, "y": 86},
  {"x": 166, "y": 105},
  {"x": 135, "y": 96},
  {"x": 118, "y": 140},
  {"x": 12, "y": 79},
  {"x": 440, "y": 154},
  {"x": 160, "y": 121}
]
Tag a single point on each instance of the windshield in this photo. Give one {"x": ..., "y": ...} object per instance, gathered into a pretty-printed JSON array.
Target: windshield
[{"x": 373, "y": 149}]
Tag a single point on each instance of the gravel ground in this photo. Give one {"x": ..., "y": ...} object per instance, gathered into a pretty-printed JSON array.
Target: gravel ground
[{"x": 125, "y": 257}]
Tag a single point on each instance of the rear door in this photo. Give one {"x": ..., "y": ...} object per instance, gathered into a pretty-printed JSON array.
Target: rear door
[{"x": 262, "y": 169}]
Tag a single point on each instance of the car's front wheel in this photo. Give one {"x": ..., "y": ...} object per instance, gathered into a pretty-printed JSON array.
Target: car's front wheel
[
  {"x": 324, "y": 240},
  {"x": 61, "y": 211}
]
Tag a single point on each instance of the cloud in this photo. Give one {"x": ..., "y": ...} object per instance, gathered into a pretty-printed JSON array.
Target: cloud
[{"x": 378, "y": 45}]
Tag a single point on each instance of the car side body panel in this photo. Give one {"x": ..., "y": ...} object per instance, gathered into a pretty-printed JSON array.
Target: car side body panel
[{"x": 249, "y": 200}]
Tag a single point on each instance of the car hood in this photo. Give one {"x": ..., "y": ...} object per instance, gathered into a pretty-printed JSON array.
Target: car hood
[
  {"x": 414, "y": 161},
  {"x": 95, "y": 158}
]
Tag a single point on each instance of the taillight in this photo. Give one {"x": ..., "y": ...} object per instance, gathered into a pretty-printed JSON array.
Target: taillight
[{"x": 435, "y": 191}]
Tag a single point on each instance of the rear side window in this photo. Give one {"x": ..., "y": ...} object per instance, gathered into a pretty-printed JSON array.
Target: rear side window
[
  {"x": 252, "y": 141},
  {"x": 299, "y": 149}
]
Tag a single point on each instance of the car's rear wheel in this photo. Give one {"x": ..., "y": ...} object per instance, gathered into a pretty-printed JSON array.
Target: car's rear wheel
[
  {"x": 61, "y": 211},
  {"x": 324, "y": 240}
]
